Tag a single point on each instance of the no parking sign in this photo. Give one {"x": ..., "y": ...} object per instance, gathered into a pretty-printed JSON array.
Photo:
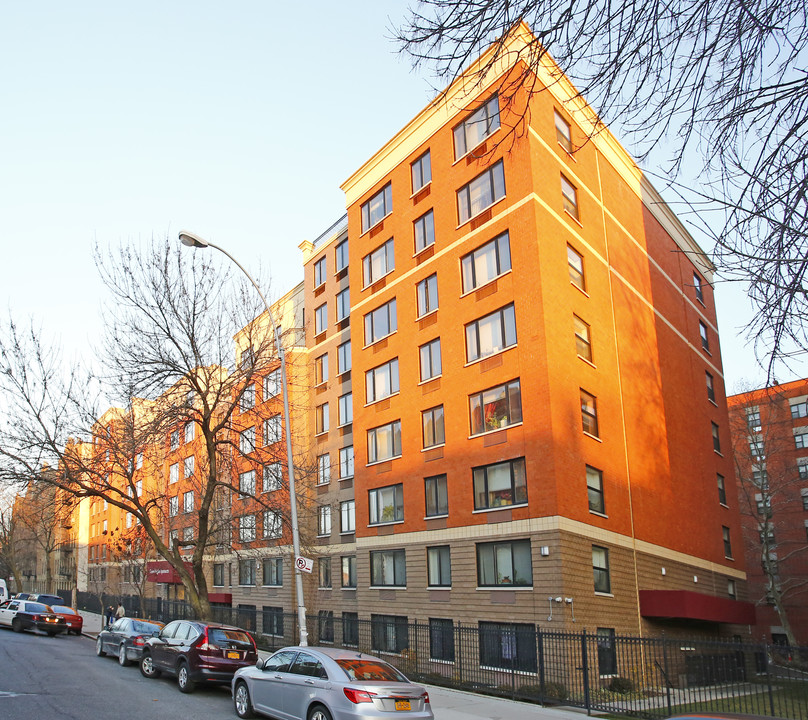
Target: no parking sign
[{"x": 304, "y": 564}]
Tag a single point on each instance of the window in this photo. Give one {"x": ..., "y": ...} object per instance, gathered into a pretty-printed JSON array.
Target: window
[
  {"x": 324, "y": 573},
  {"x": 753, "y": 419},
  {"x": 570, "y": 196},
  {"x": 272, "y": 430},
  {"x": 575, "y": 263},
  {"x": 496, "y": 408},
  {"x": 433, "y": 428},
  {"x": 349, "y": 571},
  {"x": 594, "y": 490},
  {"x": 421, "y": 172},
  {"x": 350, "y": 629},
  {"x": 344, "y": 358},
  {"x": 248, "y": 398},
  {"x": 722, "y": 490},
  {"x": 388, "y": 568},
  {"x": 705, "y": 340},
  {"x": 476, "y": 127},
  {"x": 188, "y": 467},
  {"x": 246, "y": 441},
  {"x": 246, "y": 572},
  {"x": 272, "y": 384},
  {"x": 389, "y": 633},
  {"x": 346, "y": 462},
  {"x": 272, "y": 618},
  {"x": 188, "y": 534},
  {"x": 757, "y": 447},
  {"x": 377, "y": 208},
  {"x": 589, "y": 414},
  {"x": 727, "y": 542},
  {"x": 764, "y": 505},
  {"x": 563, "y": 134},
  {"x": 698, "y": 288},
  {"x": 173, "y": 472},
  {"x": 491, "y": 334},
  {"x": 607, "y": 652},
  {"x": 583, "y": 342},
  {"x": 600, "y": 569},
  {"x": 273, "y": 476},
  {"x": 504, "y": 564},
  {"x": 218, "y": 574},
  {"x": 139, "y": 456},
  {"x": 273, "y": 571},
  {"x": 379, "y": 263},
  {"x": 510, "y": 646},
  {"x": 801, "y": 439},
  {"x": 343, "y": 304},
  {"x": 321, "y": 419},
  {"x": 716, "y": 437},
  {"x": 347, "y": 516},
  {"x": 384, "y": 443},
  {"x": 804, "y": 492},
  {"x": 321, "y": 369},
  {"x": 441, "y": 640},
  {"x": 437, "y": 497},
  {"x": 430, "y": 360},
  {"x": 386, "y": 504},
  {"x": 802, "y": 470},
  {"x": 174, "y": 441},
  {"x": 189, "y": 436},
  {"x": 138, "y": 488},
  {"x": 486, "y": 263},
  {"x": 320, "y": 318},
  {"x": 500, "y": 484},
  {"x": 323, "y": 520},
  {"x": 173, "y": 505},
  {"x": 424, "y": 231},
  {"x": 319, "y": 272},
  {"x": 710, "y": 387},
  {"x": 273, "y": 524},
  {"x": 345, "y": 409},
  {"x": 341, "y": 256},
  {"x": 323, "y": 469},
  {"x": 439, "y": 566},
  {"x": 799, "y": 410},
  {"x": 325, "y": 630},
  {"x": 188, "y": 502},
  {"x": 731, "y": 592},
  {"x": 426, "y": 293},
  {"x": 246, "y": 528},
  {"x": 381, "y": 322},
  {"x": 481, "y": 193},
  {"x": 381, "y": 381}
]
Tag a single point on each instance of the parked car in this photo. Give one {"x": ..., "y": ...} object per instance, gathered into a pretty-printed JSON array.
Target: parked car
[
  {"x": 26, "y": 615},
  {"x": 315, "y": 683},
  {"x": 126, "y": 638},
  {"x": 75, "y": 622},
  {"x": 197, "y": 652},
  {"x": 23, "y": 596},
  {"x": 46, "y": 599}
]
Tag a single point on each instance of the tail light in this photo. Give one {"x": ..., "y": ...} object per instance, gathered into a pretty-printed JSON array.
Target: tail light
[
  {"x": 138, "y": 641},
  {"x": 425, "y": 696},
  {"x": 36, "y": 618},
  {"x": 358, "y": 696}
]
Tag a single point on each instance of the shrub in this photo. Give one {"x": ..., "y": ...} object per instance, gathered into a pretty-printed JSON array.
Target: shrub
[
  {"x": 555, "y": 691},
  {"x": 621, "y": 685}
]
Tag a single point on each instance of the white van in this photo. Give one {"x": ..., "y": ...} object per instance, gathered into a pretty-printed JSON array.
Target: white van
[{"x": 3, "y": 590}]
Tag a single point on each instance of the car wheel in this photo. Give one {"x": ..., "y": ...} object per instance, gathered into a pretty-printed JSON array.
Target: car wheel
[
  {"x": 318, "y": 712},
  {"x": 99, "y": 647},
  {"x": 184, "y": 678},
  {"x": 123, "y": 661},
  {"x": 16, "y": 625},
  {"x": 241, "y": 699},
  {"x": 147, "y": 668}
]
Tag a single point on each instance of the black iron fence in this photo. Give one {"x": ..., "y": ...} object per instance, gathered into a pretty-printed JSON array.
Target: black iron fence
[{"x": 640, "y": 677}]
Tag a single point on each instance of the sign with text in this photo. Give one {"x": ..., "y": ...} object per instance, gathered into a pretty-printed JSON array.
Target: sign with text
[{"x": 304, "y": 564}]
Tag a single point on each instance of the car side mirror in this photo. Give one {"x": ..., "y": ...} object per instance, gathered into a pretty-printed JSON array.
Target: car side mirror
[{"x": 260, "y": 663}]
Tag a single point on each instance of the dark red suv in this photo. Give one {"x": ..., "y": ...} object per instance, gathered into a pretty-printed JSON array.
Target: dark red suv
[{"x": 197, "y": 652}]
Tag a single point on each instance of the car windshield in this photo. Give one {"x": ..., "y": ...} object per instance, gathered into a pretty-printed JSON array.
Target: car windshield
[
  {"x": 36, "y": 607},
  {"x": 144, "y": 627},
  {"x": 63, "y": 609},
  {"x": 365, "y": 670},
  {"x": 228, "y": 638}
]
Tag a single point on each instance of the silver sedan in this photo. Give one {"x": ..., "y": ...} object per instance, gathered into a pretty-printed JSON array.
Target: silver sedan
[{"x": 317, "y": 683}]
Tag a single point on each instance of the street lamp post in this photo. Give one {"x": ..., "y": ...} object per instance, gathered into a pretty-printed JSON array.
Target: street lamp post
[{"x": 194, "y": 241}]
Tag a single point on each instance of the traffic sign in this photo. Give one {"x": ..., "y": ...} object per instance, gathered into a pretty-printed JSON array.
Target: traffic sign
[{"x": 304, "y": 564}]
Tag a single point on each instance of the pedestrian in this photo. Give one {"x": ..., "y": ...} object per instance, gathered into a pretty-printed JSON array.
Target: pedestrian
[
  {"x": 110, "y": 614},
  {"x": 120, "y": 612}
]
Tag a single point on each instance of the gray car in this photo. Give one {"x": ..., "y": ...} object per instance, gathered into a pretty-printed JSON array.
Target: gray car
[
  {"x": 126, "y": 638},
  {"x": 317, "y": 683}
]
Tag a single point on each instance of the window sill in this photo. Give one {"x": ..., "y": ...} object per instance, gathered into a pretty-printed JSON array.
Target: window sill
[
  {"x": 428, "y": 380},
  {"x": 426, "y": 315},
  {"x": 494, "y": 354},
  {"x": 347, "y": 532},
  {"x": 724, "y": 505},
  {"x": 321, "y": 285},
  {"x": 438, "y": 587},
  {"x": 594, "y": 437},
  {"x": 323, "y": 484},
  {"x": 505, "y": 587},
  {"x": 383, "y": 524},
  {"x": 378, "y": 222},
  {"x": 573, "y": 218},
  {"x": 423, "y": 249},
  {"x": 352, "y": 588},
  {"x": 579, "y": 289},
  {"x": 588, "y": 362},
  {"x": 322, "y": 433},
  {"x": 495, "y": 430},
  {"x": 718, "y": 452},
  {"x": 433, "y": 447},
  {"x": 603, "y": 594},
  {"x": 473, "y": 290},
  {"x": 481, "y": 212},
  {"x": 324, "y": 536},
  {"x": 598, "y": 513},
  {"x": 374, "y": 402},
  {"x": 729, "y": 557},
  {"x": 344, "y": 425},
  {"x": 425, "y": 185},
  {"x": 712, "y": 401},
  {"x": 347, "y": 477},
  {"x": 436, "y": 517},
  {"x": 476, "y": 147},
  {"x": 499, "y": 507},
  {"x": 378, "y": 340},
  {"x": 569, "y": 153},
  {"x": 375, "y": 280},
  {"x": 387, "y": 587},
  {"x": 383, "y": 460}
]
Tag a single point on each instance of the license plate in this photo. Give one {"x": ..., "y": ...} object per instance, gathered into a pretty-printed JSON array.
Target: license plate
[
  {"x": 403, "y": 705},
  {"x": 233, "y": 654}
]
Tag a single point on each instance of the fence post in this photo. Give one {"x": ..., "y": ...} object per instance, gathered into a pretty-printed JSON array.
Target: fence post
[
  {"x": 666, "y": 673},
  {"x": 585, "y": 669},
  {"x": 540, "y": 644},
  {"x": 768, "y": 677},
  {"x": 459, "y": 644}
]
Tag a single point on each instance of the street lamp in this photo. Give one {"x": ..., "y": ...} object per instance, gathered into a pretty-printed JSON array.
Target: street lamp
[{"x": 194, "y": 241}]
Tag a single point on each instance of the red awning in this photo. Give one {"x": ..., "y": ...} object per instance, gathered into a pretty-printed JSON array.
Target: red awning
[
  {"x": 689, "y": 605},
  {"x": 226, "y": 598},
  {"x": 160, "y": 571}
]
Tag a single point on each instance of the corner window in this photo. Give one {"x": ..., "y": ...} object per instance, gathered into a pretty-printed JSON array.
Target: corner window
[
  {"x": 481, "y": 193},
  {"x": 594, "y": 490},
  {"x": 476, "y": 127},
  {"x": 600, "y": 569},
  {"x": 570, "y": 195},
  {"x": 319, "y": 272},
  {"x": 421, "y": 172},
  {"x": 563, "y": 135},
  {"x": 381, "y": 381},
  {"x": 500, "y": 484},
  {"x": 388, "y": 568},
  {"x": 433, "y": 427},
  {"x": 427, "y": 295},
  {"x": 486, "y": 262},
  {"x": 504, "y": 564},
  {"x": 379, "y": 263},
  {"x": 430, "y": 362},
  {"x": 491, "y": 334},
  {"x": 589, "y": 414},
  {"x": 496, "y": 408},
  {"x": 381, "y": 322},
  {"x": 437, "y": 496},
  {"x": 424, "y": 231},
  {"x": 439, "y": 566},
  {"x": 386, "y": 504},
  {"x": 384, "y": 442},
  {"x": 377, "y": 208},
  {"x": 341, "y": 256}
]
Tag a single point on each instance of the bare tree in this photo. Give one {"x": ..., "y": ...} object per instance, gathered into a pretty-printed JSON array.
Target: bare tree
[
  {"x": 9, "y": 545},
  {"x": 725, "y": 81}
]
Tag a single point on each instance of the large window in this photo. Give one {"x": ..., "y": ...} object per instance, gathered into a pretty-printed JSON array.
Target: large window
[
  {"x": 343, "y": 304},
  {"x": 486, "y": 262},
  {"x": 347, "y": 515},
  {"x": 320, "y": 318},
  {"x": 345, "y": 403},
  {"x": 491, "y": 334},
  {"x": 799, "y": 409},
  {"x": 321, "y": 419},
  {"x": 589, "y": 414},
  {"x": 421, "y": 172},
  {"x": 346, "y": 462},
  {"x": 389, "y": 633},
  {"x": 495, "y": 408},
  {"x": 246, "y": 572},
  {"x": 481, "y": 193},
  {"x": 273, "y": 477},
  {"x": 594, "y": 490},
  {"x": 321, "y": 369},
  {"x": 430, "y": 360},
  {"x": 386, "y": 504},
  {"x": 433, "y": 428},
  {"x": 273, "y": 524},
  {"x": 324, "y": 573},
  {"x": 508, "y": 646},
  {"x": 437, "y": 496},
  {"x": 439, "y": 566},
  {"x": 349, "y": 571},
  {"x": 424, "y": 231},
  {"x": 570, "y": 196},
  {"x": 379, "y": 263},
  {"x": 476, "y": 127},
  {"x": 380, "y": 322},
  {"x": 504, "y": 564},
  {"x": 441, "y": 639},
  {"x": 377, "y": 208},
  {"x": 273, "y": 621},
  {"x": 563, "y": 134},
  {"x": 388, "y": 568},
  {"x": 500, "y": 484},
  {"x": 246, "y": 528},
  {"x": 344, "y": 358},
  {"x": 384, "y": 443},
  {"x": 341, "y": 256},
  {"x": 273, "y": 430},
  {"x": 273, "y": 571},
  {"x": 426, "y": 293},
  {"x": 381, "y": 381},
  {"x": 600, "y": 569}
]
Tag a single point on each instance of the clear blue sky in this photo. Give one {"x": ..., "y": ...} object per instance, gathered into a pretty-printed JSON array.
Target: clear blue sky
[{"x": 238, "y": 121}]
